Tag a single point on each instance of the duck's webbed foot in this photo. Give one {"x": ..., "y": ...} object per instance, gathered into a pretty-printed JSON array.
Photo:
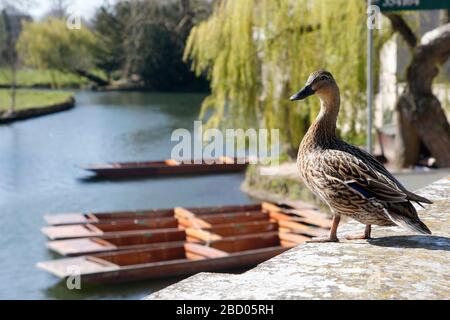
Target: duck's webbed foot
[{"x": 365, "y": 235}]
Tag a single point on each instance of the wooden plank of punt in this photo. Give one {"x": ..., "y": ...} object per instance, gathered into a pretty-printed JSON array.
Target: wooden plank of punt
[
  {"x": 246, "y": 242},
  {"x": 293, "y": 238},
  {"x": 104, "y": 229},
  {"x": 72, "y": 231},
  {"x": 288, "y": 244},
  {"x": 175, "y": 264},
  {"x": 317, "y": 222},
  {"x": 167, "y": 167},
  {"x": 79, "y": 246},
  {"x": 220, "y": 209},
  {"x": 100, "y": 217},
  {"x": 197, "y": 251},
  {"x": 298, "y": 228},
  {"x": 73, "y": 247},
  {"x": 309, "y": 216},
  {"x": 62, "y": 267},
  {"x": 67, "y": 218},
  {"x": 232, "y": 229},
  {"x": 208, "y": 220}
]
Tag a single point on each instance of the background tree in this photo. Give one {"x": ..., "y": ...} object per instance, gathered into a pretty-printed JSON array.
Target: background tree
[
  {"x": 109, "y": 29},
  {"x": 51, "y": 45},
  {"x": 58, "y": 9},
  {"x": 155, "y": 38},
  {"x": 10, "y": 23},
  {"x": 2, "y": 38},
  {"x": 258, "y": 52},
  {"x": 10, "y": 55},
  {"x": 421, "y": 118}
]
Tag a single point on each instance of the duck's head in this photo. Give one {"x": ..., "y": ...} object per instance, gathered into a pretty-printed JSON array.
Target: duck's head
[{"x": 320, "y": 82}]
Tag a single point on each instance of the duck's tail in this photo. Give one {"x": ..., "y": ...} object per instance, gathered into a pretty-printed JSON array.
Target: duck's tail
[
  {"x": 416, "y": 198},
  {"x": 410, "y": 223}
]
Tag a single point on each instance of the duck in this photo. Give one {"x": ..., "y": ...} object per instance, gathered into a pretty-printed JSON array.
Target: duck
[{"x": 351, "y": 181}]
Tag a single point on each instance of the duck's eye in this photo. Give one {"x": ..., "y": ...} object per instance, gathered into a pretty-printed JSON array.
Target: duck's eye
[{"x": 323, "y": 78}]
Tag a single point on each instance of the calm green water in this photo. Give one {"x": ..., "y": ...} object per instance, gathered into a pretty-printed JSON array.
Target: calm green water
[{"x": 38, "y": 175}]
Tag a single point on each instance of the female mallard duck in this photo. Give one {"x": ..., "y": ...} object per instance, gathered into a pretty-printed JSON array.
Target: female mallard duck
[{"x": 350, "y": 180}]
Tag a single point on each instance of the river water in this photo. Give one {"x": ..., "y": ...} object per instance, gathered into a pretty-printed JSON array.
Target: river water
[{"x": 38, "y": 159}]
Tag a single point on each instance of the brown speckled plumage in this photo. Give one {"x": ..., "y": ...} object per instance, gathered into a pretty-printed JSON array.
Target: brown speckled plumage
[{"x": 350, "y": 180}]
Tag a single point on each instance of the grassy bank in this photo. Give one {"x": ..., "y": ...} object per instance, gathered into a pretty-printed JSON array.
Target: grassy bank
[
  {"x": 45, "y": 78},
  {"x": 280, "y": 186},
  {"x": 29, "y": 99}
]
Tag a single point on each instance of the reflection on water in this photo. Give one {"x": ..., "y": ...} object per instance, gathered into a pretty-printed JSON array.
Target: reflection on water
[
  {"x": 39, "y": 174},
  {"x": 109, "y": 291}
]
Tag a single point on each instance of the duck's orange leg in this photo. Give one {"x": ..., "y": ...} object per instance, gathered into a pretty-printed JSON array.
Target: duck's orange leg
[
  {"x": 366, "y": 234},
  {"x": 333, "y": 232}
]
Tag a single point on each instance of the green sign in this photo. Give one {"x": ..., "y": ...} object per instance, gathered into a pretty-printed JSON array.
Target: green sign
[{"x": 397, "y": 5}]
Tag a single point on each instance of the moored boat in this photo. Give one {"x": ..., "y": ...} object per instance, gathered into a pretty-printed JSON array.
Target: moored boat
[
  {"x": 169, "y": 259},
  {"x": 289, "y": 219},
  {"x": 178, "y": 241},
  {"x": 167, "y": 167},
  {"x": 101, "y": 217},
  {"x": 113, "y": 228},
  {"x": 118, "y": 242}
]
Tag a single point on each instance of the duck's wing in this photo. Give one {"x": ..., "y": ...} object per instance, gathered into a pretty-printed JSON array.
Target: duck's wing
[
  {"x": 359, "y": 176},
  {"x": 371, "y": 161}
]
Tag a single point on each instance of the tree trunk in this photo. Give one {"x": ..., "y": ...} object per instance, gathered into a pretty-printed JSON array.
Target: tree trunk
[
  {"x": 13, "y": 87},
  {"x": 11, "y": 56},
  {"x": 418, "y": 109},
  {"x": 86, "y": 74},
  {"x": 424, "y": 116},
  {"x": 407, "y": 141}
]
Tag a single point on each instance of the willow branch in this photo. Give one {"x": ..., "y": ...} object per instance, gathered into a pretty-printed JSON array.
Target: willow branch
[
  {"x": 303, "y": 29},
  {"x": 400, "y": 26}
]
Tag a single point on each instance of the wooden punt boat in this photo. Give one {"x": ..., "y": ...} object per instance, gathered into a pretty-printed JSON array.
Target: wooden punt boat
[
  {"x": 305, "y": 223},
  {"x": 127, "y": 241},
  {"x": 108, "y": 228},
  {"x": 102, "y": 217},
  {"x": 167, "y": 167},
  {"x": 146, "y": 239},
  {"x": 118, "y": 228},
  {"x": 302, "y": 221},
  {"x": 169, "y": 259},
  {"x": 179, "y": 241}
]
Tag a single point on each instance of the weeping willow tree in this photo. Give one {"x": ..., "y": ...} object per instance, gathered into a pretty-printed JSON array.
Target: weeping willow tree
[{"x": 256, "y": 53}]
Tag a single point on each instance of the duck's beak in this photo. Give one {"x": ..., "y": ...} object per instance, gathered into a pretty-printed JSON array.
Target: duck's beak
[{"x": 305, "y": 92}]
